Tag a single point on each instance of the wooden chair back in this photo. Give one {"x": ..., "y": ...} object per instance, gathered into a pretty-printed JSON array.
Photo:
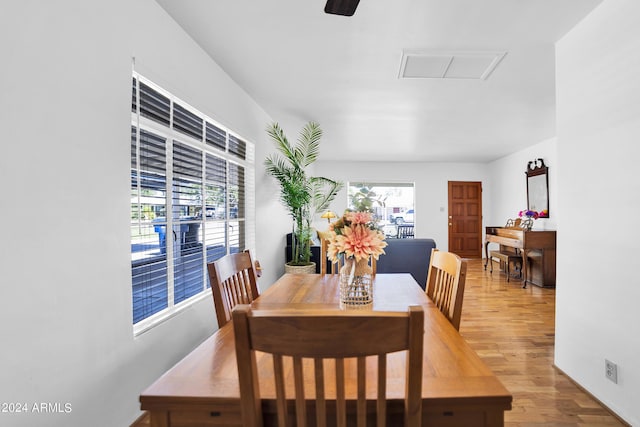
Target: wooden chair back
[
  {"x": 445, "y": 284},
  {"x": 315, "y": 353},
  {"x": 325, "y": 262},
  {"x": 233, "y": 281},
  {"x": 336, "y": 266}
]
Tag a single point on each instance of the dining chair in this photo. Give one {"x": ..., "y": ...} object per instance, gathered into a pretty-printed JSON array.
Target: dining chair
[
  {"x": 322, "y": 355},
  {"x": 329, "y": 267},
  {"x": 233, "y": 280},
  {"x": 445, "y": 283}
]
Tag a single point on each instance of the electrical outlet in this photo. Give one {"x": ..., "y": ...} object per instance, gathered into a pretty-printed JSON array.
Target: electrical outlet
[{"x": 611, "y": 370}]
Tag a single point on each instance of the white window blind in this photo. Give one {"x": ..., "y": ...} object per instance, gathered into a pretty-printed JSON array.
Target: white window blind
[{"x": 189, "y": 203}]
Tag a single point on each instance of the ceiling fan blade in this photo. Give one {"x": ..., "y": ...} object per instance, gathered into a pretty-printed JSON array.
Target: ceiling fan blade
[{"x": 341, "y": 7}]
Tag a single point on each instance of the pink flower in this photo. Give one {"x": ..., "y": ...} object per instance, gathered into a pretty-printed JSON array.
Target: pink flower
[
  {"x": 356, "y": 237},
  {"x": 358, "y": 217}
]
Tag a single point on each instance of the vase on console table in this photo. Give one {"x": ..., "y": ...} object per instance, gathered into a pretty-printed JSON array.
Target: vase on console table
[
  {"x": 528, "y": 216},
  {"x": 527, "y": 224}
]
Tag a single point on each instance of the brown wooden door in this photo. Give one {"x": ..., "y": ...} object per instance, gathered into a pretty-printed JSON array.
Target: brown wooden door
[{"x": 465, "y": 218}]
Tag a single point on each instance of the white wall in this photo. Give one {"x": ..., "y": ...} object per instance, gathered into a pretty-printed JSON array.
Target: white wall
[
  {"x": 507, "y": 185},
  {"x": 431, "y": 187},
  {"x": 598, "y": 116},
  {"x": 65, "y": 296},
  {"x": 65, "y": 300}
]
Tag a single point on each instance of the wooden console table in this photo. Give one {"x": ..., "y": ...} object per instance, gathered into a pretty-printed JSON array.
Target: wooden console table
[{"x": 458, "y": 388}]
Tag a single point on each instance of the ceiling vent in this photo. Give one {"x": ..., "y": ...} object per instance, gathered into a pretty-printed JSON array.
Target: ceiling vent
[{"x": 439, "y": 64}]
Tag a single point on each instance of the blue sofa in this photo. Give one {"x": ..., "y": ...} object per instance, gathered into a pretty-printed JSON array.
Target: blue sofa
[
  {"x": 401, "y": 256},
  {"x": 407, "y": 256}
]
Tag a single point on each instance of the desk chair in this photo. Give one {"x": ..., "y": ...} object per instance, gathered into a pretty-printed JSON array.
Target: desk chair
[
  {"x": 233, "y": 280},
  {"x": 445, "y": 284},
  {"x": 318, "y": 343},
  {"x": 336, "y": 266}
]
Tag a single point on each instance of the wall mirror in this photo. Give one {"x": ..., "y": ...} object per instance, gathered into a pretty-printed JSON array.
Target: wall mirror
[{"x": 538, "y": 187}]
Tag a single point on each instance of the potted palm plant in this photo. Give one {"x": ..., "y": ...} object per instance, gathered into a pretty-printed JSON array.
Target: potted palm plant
[{"x": 303, "y": 195}]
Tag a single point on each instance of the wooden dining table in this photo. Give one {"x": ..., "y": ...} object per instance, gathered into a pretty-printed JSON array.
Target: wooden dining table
[{"x": 458, "y": 389}]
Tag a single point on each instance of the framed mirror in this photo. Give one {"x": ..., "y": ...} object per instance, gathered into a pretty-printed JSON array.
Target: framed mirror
[{"x": 538, "y": 187}]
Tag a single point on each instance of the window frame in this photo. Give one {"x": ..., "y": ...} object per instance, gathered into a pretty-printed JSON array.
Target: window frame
[
  {"x": 383, "y": 214},
  {"x": 238, "y": 153}
]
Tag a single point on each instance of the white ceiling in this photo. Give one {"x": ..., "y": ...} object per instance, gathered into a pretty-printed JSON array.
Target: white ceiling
[{"x": 301, "y": 64}]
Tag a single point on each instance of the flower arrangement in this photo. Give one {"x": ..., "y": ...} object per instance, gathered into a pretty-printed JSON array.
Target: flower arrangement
[
  {"x": 529, "y": 214},
  {"x": 356, "y": 236}
]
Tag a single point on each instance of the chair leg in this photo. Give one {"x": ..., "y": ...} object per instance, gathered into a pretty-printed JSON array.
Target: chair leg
[
  {"x": 524, "y": 283},
  {"x": 517, "y": 264}
]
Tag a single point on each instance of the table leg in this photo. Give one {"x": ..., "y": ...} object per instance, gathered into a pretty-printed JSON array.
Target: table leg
[
  {"x": 159, "y": 418},
  {"x": 494, "y": 419}
]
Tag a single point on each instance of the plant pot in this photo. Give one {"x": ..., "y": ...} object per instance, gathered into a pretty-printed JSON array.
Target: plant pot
[{"x": 300, "y": 269}]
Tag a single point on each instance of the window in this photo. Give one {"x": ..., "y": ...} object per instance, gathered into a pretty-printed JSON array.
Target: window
[
  {"x": 189, "y": 181},
  {"x": 393, "y": 203}
]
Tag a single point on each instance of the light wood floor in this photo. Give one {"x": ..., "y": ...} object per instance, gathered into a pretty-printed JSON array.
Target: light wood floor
[{"x": 512, "y": 329}]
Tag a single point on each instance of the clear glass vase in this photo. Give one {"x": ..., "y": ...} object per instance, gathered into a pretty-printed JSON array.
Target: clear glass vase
[{"x": 356, "y": 286}]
